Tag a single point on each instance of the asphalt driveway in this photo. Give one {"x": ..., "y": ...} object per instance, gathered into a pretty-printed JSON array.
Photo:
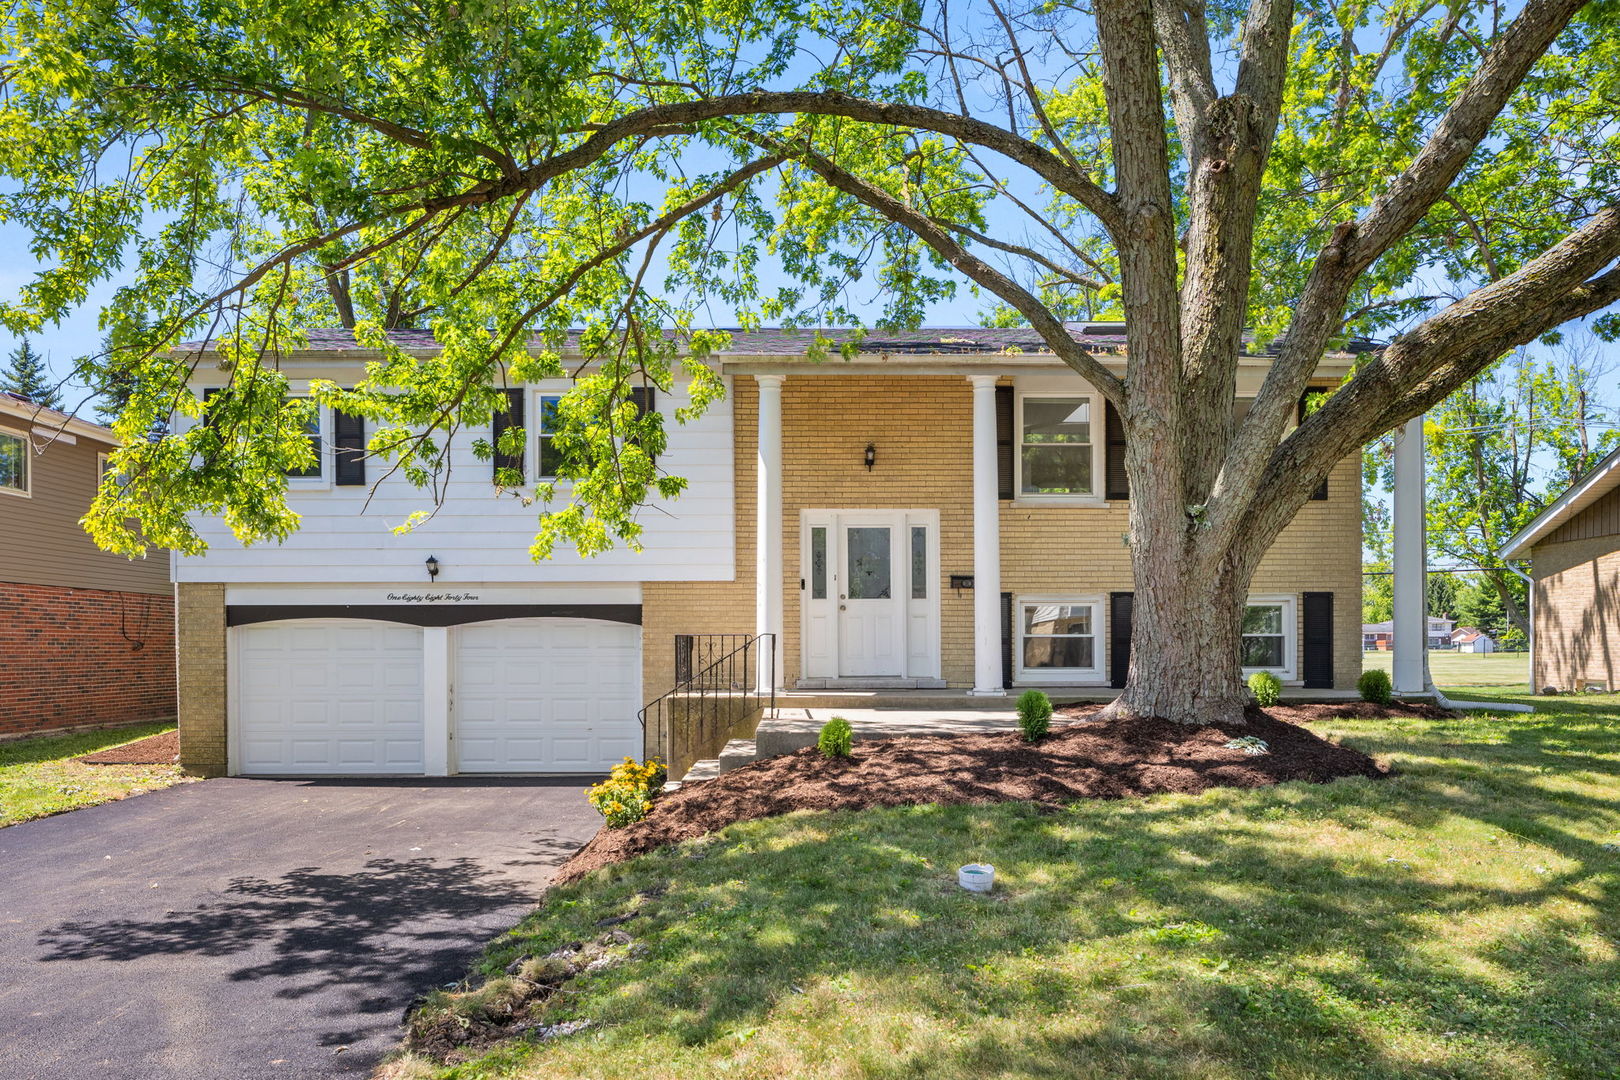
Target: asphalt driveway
[{"x": 259, "y": 928}]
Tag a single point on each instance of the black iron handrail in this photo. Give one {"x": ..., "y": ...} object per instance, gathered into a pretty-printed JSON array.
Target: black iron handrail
[{"x": 718, "y": 683}]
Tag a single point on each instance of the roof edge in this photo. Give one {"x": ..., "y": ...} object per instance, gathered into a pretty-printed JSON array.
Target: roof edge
[{"x": 1599, "y": 481}]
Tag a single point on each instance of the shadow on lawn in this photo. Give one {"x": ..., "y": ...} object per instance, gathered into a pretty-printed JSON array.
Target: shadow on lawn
[{"x": 1313, "y": 949}]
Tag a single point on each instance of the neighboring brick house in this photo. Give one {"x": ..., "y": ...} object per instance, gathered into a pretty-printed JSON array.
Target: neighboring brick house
[
  {"x": 344, "y": 650},
  {"x": 1573, "y": 548},
  {"x": 88, "y": 637}
]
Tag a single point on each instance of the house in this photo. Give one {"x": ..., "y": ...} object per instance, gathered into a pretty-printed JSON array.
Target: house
[
  {"x": 1470, "y": 639},
  {"x": 1381, "y": 635},
  {"x": 1573, "y": 548},
  {"x": 88, "y": 637},
  {"x": 944, "y": 510}
]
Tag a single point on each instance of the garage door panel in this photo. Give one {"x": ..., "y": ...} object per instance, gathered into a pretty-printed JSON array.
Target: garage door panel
[
  {"x": 329, "y": 696},
  {"x": 546, "y": 695}
]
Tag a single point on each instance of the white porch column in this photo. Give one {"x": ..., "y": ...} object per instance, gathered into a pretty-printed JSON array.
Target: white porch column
[
  {"x": 986, "y": 542},
  {"x": 768, "y": 520},
  {"x": 1411, "y": 674}
]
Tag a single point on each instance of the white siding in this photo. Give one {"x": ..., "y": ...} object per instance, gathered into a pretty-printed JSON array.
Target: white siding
[{"x": 478, "y": 536}]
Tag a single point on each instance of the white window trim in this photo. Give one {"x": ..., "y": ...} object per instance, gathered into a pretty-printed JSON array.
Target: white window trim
[
  {"x": 1096, "y": 675},
  {"x": 27, "y": 491},
  {"x": 323, "y": 420},
  {"x": 531, "y": 456},
  {"x": 1098, "y": 450},
  {"x": 1289, "y": 672}
]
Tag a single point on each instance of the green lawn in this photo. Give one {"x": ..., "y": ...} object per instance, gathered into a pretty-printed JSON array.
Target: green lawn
[
  {"x": 1454, "y": 669},
  {"x": 39, "y": 777},
  {"x": 1461, "y": 919}
]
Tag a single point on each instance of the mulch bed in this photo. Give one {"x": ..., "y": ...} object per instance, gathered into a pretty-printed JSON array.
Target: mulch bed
[
  {"x": 1109, "y": 759},
  {"x": 162, "y": 749}
]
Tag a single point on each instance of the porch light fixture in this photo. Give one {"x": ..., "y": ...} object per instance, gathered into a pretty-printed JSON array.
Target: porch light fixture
[
  {"x": 871, "y": 456},
  {"x": 432, "y": 567}
]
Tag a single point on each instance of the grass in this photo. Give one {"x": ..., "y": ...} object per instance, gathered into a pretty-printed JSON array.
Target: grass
[
  {"x": 1451, "y": 670},
  {"x": 38, "y": 777},
  {"x": 1461, "y": 919}
]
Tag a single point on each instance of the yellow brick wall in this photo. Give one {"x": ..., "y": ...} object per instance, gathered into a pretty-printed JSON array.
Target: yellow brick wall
[
  {"x": 922, "y": 427},
  {"x": 1577, "y": 613},
  {"x": 199, "y": 629}
]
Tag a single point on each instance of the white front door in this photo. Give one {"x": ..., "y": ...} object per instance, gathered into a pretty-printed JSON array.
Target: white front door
[{"x": 870, "y": 594}]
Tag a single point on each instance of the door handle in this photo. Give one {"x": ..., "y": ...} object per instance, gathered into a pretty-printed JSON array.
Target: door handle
[{"x": 840, "y": 607}]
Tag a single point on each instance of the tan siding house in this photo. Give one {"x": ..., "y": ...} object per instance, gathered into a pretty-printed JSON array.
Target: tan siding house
[
  {"x": 1573, "y": 548},
  {"x": 88, "y": 635}
]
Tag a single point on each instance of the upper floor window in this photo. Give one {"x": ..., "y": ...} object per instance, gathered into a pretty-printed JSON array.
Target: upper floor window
[
  {"x": 1057, "y": 446},
  {"x": 550, "y": 456},
  {"x": 14, "y": 470},
  {"x": 312, "y": 429}
]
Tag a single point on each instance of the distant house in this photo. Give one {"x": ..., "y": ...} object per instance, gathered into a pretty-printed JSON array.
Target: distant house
[
  {"x": 1574, "y": 551},
  {"x": 1469, "y": 639},
  {"x": 87, "y": 636},
  {"x": 1381, "y": 635}
]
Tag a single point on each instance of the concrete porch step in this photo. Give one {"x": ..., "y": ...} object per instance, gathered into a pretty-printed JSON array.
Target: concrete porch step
[
  {"x": 707, "y": 769},
  {"x": 790, "y": 729},
  {"x": 737, "y": 753}
]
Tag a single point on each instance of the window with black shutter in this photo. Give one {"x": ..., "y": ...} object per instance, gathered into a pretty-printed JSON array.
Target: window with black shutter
[
  {"x": 1119, "y": 632},
  {"x": 1007, "y": 632},
  {"x": 1004, "y": 442},
  {"x": 643, "y": 397},
  {"x": 1116, "y": 485},
  {"x": 349, "y": 449},
  {"x": 1316, "y": 646},
  {"x": 506, "y": 419}
]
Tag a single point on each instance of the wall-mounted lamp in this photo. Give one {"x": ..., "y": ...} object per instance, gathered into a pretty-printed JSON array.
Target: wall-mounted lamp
[
  {"x": 871, "y": 456},
  {"x": 432, "y": 567}
]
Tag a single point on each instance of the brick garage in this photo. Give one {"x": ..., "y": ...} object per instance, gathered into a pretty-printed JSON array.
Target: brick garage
[{"x": 84, "y": 658}]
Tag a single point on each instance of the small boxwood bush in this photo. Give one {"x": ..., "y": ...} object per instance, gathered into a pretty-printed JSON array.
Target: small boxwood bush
[
  {"x": 1266, "y": 688},
  {"x": 1034, "y": 714},
  {"x": 837, "y": 738},
  {"x": 626, "y": 796},
  {"x": 1375, "y": 686}
]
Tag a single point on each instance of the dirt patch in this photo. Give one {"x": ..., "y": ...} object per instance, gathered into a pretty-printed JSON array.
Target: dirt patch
[
  {"x": 162, "y": 749},
  {"x": 1109, "y": 759}
]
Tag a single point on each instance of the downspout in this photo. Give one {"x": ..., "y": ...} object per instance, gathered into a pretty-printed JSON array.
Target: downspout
[{"x": 1529, "y": 618}]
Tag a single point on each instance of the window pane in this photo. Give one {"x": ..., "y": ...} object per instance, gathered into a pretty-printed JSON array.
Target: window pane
[
  {"x": 1056, "y": 470},
  {"x": 1057, "y": 420},
  {"x": 312, "y": 427},
  {"x": 868, "y": 552},
  {"x": 919, "y": 563},
  {"x": 13, "y": 462},
  {"x": 1263, "y": 619},
  {"x": 1059, "y": 652},
  {"x": 1057, "y": 619},
  {"x": 1263, "y": 651},
  {"x": 550, "y": 457},
  {"x": 818, "y": 563},
  {"x": 548, "y": 414}
]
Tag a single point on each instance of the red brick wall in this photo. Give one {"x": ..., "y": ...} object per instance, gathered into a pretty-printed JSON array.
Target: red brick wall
[{"x": 71, "y": 657}]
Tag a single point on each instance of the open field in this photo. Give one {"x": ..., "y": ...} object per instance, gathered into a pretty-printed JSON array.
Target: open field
[
  {"x": 39, "y": 776},
  {"x": 1458, "y": 919},
  {"x": 1454, "y": 669}
]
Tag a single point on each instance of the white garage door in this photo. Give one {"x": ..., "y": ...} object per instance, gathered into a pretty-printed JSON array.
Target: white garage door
[
  {"x": 546, "y": 695},
  {"x": 329, "y": 696}
]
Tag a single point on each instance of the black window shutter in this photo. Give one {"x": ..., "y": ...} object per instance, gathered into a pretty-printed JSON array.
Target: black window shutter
[
  {"x": 1317, "y": 647},
  {"x": 349, "y": 453},
  {"x": 645, "y": 402},
  {"x": 1119, "y": 629},
  {"x": 1321, "y": 491},
  {"x": 1116, "y": 484},
  {"x": 1004, "y": 442},
  {"x": 1007, "y": 636},
  {"x": 509, "y": 417}
]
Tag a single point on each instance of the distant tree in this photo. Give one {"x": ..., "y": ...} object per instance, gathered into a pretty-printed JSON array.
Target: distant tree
[
  {"x": 27, "y": 375},
  {"x": 1479, "y": 605}
]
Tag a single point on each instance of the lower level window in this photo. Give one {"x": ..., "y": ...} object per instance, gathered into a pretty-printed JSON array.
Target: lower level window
[
  {"x": 1268, "y": 636},
  {"x": 1058, "y": 639}
]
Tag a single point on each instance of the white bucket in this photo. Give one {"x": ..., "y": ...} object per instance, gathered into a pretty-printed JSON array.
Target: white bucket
[{"x": 977, "y": 877}]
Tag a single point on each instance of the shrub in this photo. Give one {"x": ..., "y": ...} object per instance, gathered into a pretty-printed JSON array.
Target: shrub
[
  {"x": 1375, "y": 686},
  {"x": 837, "y": 738},
  {"x": 626, "y": 796},
  {"x": 1266, "y": 688},
  {"x": 1034, "y": 714}
]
